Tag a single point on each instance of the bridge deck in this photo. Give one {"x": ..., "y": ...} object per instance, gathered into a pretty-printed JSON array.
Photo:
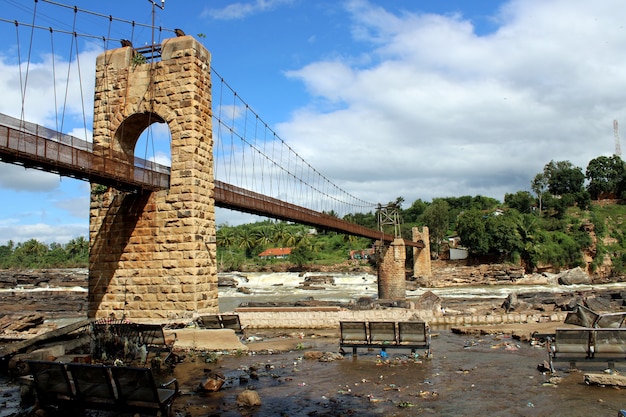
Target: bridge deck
[{"x": 34, "y": 146}]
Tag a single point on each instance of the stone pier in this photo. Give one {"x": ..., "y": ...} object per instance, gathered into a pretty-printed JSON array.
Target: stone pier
[
  {"x": 391, "y": 271},
  {"x": 421, "y": 257},
  {"x": 152, "y": 254}
]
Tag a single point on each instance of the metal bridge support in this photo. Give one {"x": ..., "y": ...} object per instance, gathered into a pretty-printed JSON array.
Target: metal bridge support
[
  {"x": 152, "y": 254},
  {"x": 421, "y": 256},
  {"x": 391, "y": 271}
]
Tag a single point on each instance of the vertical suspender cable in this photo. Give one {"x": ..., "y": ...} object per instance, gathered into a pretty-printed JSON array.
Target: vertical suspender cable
[
  {"x": 19, "y": 67},
  {"x": 54, "y": 83},
  {"x": 69, "y": 69},
  {"x": 80, "y": 83},
  {"x": 30, "y": 49}
]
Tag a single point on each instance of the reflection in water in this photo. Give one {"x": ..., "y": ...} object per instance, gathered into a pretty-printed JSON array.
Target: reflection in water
[{"x": 467, "y": 376}]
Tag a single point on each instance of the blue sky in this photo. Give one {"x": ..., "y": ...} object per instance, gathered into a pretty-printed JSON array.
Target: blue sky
[{"x": 388, "y": 98}]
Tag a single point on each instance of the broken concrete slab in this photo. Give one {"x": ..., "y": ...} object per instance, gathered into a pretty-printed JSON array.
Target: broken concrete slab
[
  {"x": 605, "y": 379},
  {"x": 208, "y": 339}
]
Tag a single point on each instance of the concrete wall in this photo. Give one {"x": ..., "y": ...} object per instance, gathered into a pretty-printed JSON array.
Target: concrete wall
[{"x": 301, "y": 318}]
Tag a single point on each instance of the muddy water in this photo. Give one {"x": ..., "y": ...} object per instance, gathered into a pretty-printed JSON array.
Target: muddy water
[{"x": 467, "y": 376}]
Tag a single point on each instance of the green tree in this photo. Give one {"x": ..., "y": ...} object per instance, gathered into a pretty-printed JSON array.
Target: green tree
[
  {"x": 539, "y": 185},
  {"x": 504, "y": 237},
  {"x": 413, "y": 213},
  {"x": 564, "y": 178},
  {"x": 368, "y": 220},
  {"x": 30, "y": 253},
  {"x": 522, "y": 201},
  {"x": 264, "y": 236},
  {"x": 225, "y": 236},
  {"x": 437, "y": 218},
  {"x": 78, "y": 249},
  {"x": 58, "y": 256},
  {"x": 6, "y": 254},
  {"x": 246, "y": 240},
  {"x": 527, "y": 228},
  {"x": 605, "y": 175},
  {"x": 300, "y": 256},
  {"x": 470, "y": 226}
]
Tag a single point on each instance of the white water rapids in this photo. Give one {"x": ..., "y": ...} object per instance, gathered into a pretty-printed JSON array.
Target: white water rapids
[{"x": 288, "y": 287}]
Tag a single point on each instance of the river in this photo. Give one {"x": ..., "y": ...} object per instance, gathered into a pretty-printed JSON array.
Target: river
[
  {"x": 467, "y": 375},
  {"x": 288, "y": 287}
]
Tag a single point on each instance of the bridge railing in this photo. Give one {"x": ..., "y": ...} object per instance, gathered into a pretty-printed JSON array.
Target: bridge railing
[{"x": 35, "y": 146}]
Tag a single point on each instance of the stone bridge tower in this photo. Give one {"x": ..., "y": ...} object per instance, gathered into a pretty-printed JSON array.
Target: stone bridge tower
[{"x": 152, "y": 254}]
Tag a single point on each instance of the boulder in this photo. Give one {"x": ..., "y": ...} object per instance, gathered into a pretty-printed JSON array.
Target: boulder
[
  {"x": 598, "y": 304},
  {"x": 319, "y": 280},
  {"x": 331, "y": 357},
  {"x": 225, "y": 281},
  {"x": 429, "y": 301},
  {"x": 313, "y": 354},
  {"x": 536, "y": 279},
  {"x": 248, "y": 398},
  {"x": 510, "y": 302},
  {"x": 574, "y": 276},
  {"x": 212, "y": 383}
]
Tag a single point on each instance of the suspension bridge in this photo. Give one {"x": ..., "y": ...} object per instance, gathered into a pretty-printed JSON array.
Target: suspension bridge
[{"x": 152, "y": 227}]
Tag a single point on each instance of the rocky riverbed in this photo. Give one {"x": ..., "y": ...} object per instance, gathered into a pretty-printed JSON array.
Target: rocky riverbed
[
  {"x": 39, "y": 296},
  {"x": 298, "y": 372}
]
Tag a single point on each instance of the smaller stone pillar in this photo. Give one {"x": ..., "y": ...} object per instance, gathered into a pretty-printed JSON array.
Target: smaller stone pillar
[
  {"x": 421, "y": 257},
  {"x": 391, "y": 271}
]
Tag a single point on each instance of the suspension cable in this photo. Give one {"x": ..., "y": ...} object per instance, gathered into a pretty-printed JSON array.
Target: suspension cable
[
  {"x": 104, "y": 15},
  {"x": 333, "y": 192}
]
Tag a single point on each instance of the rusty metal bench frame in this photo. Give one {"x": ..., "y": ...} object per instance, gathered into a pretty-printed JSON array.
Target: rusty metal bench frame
[
  {"x": 220, "y": 321},
  {"x": 384, "y": 335},
  {"x": 101, "y": 387},
  {"x": 125, "y": 341},
  {"x": 587, "y": 344}
]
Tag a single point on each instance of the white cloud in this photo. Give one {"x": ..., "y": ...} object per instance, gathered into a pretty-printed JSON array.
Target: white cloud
[
  {"x": 48, "y": 98},
  {"x": 15, "y": 177},
  {"x": 42, "y": 232},
  {"x": 440, "y": 111},
  {"x": 242, "y": 10},
  {"x": 77, "y": 207}
]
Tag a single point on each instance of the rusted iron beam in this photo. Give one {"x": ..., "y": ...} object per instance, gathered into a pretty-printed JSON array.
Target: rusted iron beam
[
  {"x": 235, "y": 198},
  {"x": 28, "y": 148}
]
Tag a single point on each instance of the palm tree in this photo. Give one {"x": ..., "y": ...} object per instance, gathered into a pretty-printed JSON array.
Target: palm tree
[
  {"x": 225, "y": 236},
  {"x": 281, "y": 232},
  {"x": 264, "y": 236},
  {"x": 77, "y": 247},
  {"x": 246, "y": 240}
]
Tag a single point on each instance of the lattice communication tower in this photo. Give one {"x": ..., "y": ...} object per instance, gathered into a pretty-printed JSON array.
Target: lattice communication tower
[{"x": 618, "y": 147}]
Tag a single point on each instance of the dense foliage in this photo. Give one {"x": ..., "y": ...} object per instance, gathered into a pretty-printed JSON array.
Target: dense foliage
[
  {"x": 545, "y": 226},
  {"x": 239, "y": 246},
  {"x": 34, "y": 254}
]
